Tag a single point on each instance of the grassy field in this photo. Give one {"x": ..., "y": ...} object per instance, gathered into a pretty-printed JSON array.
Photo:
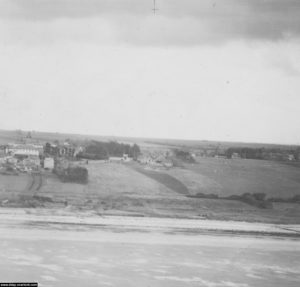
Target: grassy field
[
  {"x": 12, "y": 183},
  {"x": 230, "y": 177},
  {"x": 238, "y": 176},
  {"x": 11, "y": 186},
  {"x": 122, "y": 189},
  {"x": 111, "y": 186},
  {"x": 164, "y": 178}
]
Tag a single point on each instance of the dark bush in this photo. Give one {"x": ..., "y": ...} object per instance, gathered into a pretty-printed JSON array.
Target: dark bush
[
  {"x": 255, "y": 199},
  {"x": 43, "y": 198},
  {"x": 252, "y": 200},
  {"x": 77, "y": 174},
  {"x": 265, "y": 204},
  {"x": 203, "y": 195},
  {"x": 73, "y": 174},
  {"x": 259, "y": 196},
  {"x": 249, "y": 198},
  {"x": 278, "y": 199},
  {"x": 185, "y": 156},
  {"x": 233, "y": 197},
  {"x": 293, "y": 199}
]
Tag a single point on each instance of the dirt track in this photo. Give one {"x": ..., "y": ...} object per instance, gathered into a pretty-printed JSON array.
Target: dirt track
[{"x": 35, "y": 183}]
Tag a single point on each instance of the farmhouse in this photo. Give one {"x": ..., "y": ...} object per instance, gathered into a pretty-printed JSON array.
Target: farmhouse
[
  {"x": 63, "y": 150},
  {"x": 66, "y": 150}
]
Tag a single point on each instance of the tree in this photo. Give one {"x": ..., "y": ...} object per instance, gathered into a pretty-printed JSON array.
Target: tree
[{"x": 135, "y": 151}]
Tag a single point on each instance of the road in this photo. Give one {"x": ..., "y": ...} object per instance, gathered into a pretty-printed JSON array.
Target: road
[{"x": 75, "y": 255}]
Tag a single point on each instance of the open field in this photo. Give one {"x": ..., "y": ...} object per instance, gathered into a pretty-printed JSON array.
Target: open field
[
  {"x": 237, "y": 176},
  {"x": 164, "y": 178},
  {"x": 115, "y": 188},
  {"x": 11, "y": 183}
]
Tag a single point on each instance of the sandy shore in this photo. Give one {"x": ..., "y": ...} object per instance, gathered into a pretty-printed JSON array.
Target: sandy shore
[{"x": 94, "y": 256}]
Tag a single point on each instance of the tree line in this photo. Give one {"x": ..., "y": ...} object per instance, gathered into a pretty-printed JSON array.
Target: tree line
[
  {"x": 103, "y": 150},
  {"x": 262, "y": 153}
]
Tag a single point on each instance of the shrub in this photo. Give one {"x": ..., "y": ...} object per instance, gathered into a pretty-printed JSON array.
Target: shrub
[
  {"x": 203, "y": 195},
  {"x": 259, "y": 196},
  {"x": 255, "y": 199},
  {"x": 185, "y": 156},
  {"x": 77, "y": 174},
  {"x": 293, "y": 199},
  {"x": 73, "y": 174},
  {"x": 252, "y": 200},
  {"x": 265, "y": 204},
  {"x": 233, "y": 197}
]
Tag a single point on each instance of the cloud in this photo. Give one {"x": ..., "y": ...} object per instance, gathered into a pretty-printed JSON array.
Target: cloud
[
  {"x": 47, "y": 10},
  {"x": 177, "y": 22}
]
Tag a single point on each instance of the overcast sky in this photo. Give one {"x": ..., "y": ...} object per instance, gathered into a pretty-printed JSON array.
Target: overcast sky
[{"x": 210, "y": 69}]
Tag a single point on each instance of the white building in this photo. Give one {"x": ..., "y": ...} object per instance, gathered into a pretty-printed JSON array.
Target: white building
[
  {"x": 124, "y": 158},
  {"x": 24, "y": 149},
  {"x": 49, "y": 163}
]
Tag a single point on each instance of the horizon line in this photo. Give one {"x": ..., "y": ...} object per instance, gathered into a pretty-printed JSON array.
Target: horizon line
[{"x": 153, "y": 138}]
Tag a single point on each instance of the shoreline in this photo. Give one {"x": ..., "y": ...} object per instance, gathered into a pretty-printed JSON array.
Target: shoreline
[{"x": 66, "y": 220}]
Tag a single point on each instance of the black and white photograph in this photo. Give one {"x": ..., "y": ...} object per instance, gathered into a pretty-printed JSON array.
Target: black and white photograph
[{"x": 150, "y": 143}]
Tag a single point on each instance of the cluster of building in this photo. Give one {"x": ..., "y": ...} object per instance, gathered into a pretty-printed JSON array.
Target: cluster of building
[
  {"x": 67, "y": 150},
  {"x": 54, "y": 151},
  {"x": 20, "y": 157},
  {"x": 156, "y": 159},
  {"x": 27, "y": 157}
]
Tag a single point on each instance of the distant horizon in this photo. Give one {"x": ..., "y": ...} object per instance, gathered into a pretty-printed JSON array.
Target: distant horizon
[{"x": 148, "y": 138}]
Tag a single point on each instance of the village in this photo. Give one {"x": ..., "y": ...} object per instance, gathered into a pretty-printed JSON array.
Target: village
[{"x": 31, "y": 156}]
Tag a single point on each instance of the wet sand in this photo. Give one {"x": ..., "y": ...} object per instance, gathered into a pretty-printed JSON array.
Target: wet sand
[
  {"x": 97, "y": 257},
  {"x": 82, "y": 250}
]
